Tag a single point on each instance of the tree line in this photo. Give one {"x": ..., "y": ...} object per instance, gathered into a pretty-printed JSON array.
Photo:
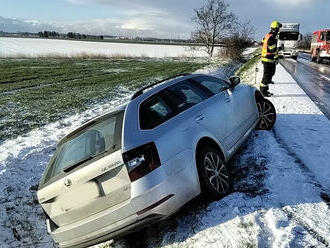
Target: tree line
[{"x": 69, "y": 35}]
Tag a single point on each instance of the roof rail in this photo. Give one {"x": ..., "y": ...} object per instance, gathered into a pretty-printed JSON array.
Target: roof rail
[{"x": 140, "y": 92}]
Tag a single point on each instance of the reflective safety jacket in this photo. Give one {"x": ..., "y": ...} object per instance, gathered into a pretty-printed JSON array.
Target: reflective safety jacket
[{"x": 269, "y": 49}]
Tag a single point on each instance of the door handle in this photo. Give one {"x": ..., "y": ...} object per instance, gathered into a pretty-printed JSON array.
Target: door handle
[
  {"x": 226, "y": 96},
  {"x": 199, "y": 117}
]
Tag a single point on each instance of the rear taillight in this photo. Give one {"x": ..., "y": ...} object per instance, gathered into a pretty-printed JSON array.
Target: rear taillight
[{"x": 141, "y": 160}]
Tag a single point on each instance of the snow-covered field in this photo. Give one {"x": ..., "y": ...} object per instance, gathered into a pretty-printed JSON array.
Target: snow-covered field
[
  {"x": 25, "y": 47},
  {"x": 281, "y": 184}
]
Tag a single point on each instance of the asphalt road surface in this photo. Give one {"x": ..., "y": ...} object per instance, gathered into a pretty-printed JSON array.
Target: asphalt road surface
[{"x": 313, "y": 78}]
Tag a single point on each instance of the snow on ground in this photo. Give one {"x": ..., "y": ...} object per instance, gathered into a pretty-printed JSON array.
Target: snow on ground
[
  {"x": 26, "y": 47},
  {"x": 249, "y": 50},
  {"x": 280, "y": 184},
  {"x": 303, "y": 128}
]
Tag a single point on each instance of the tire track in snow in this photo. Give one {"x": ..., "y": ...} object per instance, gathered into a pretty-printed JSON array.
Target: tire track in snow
[
  {"x": 292, "y": 214},
  {"x": 306, "y": 171}
]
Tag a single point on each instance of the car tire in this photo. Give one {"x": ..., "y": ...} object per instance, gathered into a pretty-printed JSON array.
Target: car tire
[
  {"x": 213, "y": 173},
  {"x": 295, "y": 57},
  {"x": 267, "y": 114}
]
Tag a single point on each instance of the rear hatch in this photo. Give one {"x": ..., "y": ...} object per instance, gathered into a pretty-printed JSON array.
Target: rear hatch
[{"x": 86, "y": 174}]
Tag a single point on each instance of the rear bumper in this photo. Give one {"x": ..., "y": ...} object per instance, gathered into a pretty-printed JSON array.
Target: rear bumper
[
  {"x": 153, "y": 197},
  {"x": 107, "y": 233}
]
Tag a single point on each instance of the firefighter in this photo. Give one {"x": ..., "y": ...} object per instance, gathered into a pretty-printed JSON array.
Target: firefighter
[{"x": 269, "y": 57}]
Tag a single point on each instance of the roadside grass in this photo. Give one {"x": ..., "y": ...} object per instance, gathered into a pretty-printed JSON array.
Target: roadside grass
[
  {"x": 247, "y": 70},
  {"x": 35, "y": 92}
]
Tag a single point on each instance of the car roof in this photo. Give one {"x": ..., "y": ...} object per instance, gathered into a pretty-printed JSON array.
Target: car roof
[{"x": 155, "y": 88}]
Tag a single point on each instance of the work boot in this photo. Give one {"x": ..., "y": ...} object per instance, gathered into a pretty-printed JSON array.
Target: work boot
[{"x": 267, "y": 94}]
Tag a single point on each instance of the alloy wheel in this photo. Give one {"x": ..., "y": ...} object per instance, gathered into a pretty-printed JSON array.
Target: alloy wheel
[
  {"x": 266, "y": 115},
  {"x": 216, "y": 172}
]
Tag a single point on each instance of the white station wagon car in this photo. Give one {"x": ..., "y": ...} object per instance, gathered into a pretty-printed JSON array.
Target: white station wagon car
[{"x": 144, "y": 160}]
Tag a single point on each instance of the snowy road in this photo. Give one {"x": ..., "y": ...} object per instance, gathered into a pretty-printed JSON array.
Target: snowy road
[
  {"x": 313, "y": 78},
  {"x": 280, "y": 195}
]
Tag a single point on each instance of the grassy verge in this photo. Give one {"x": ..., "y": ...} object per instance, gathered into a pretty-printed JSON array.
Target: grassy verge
[
  {"x": 247, "y": 71},
  {"x": 35, "y": 92}
]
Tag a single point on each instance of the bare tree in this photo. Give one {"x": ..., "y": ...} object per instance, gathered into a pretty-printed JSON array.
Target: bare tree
[
  {"x": 306, "y": 41},
  {"x": 213, "y": 23},
  {"x": 240, "y": 38}
]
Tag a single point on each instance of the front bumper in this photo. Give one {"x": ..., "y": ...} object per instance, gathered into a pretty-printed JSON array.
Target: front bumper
[
  {"x": 325, "y": 54},
  {"x": 288, "y": 53}
]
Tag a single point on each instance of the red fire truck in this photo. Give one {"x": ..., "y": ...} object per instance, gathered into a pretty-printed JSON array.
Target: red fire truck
[{"x": 320, "y": 47}]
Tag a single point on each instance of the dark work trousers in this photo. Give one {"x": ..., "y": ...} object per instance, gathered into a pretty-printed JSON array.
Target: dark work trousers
[{"x": 269, "y": 72}]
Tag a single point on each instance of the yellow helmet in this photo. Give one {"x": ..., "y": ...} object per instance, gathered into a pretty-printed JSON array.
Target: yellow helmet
[{"x": 276, "y": 24}]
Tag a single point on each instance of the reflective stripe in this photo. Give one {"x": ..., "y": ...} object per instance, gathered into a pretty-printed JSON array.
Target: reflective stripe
[
  {"x": 262, "y": 85},
  {"x": 268, "y": 60},
  {"x": 272, "y": 47}
]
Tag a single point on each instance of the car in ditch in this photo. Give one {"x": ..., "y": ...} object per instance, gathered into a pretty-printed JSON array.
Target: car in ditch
[{"x": 143, "y": 161}]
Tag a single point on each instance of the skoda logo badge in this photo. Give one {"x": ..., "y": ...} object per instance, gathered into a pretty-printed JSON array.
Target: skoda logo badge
[{"x": 67, "y": 182}]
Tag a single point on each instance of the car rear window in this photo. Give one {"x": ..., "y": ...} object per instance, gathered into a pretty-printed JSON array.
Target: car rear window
[
  {"x": 101, "y": 137},
  {"x": 153, "y": 112}
]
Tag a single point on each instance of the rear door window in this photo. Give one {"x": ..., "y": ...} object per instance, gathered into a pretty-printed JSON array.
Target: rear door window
[
  {"x": 154, "y": 112},
  {"x": 185, "y": 95},
  {"x": 215, "y": 85}
]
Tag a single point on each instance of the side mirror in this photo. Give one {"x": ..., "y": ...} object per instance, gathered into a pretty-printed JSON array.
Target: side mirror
[{"x": 234, "y": 81}]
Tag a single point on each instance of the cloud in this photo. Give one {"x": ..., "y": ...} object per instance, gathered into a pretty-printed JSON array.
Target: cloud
[
  {"x": 147, "y": 26},
  {"x": 17, "y": 25},
  {"x": 155, "y": 18},
  {"x": 299, "y": 3}
]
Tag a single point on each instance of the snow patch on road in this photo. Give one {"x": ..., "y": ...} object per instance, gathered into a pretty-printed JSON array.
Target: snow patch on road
[{"x": 302, "y": 126}]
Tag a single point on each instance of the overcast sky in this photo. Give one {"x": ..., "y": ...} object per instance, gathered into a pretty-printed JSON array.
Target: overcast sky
[{"x": 161, "y": 18}]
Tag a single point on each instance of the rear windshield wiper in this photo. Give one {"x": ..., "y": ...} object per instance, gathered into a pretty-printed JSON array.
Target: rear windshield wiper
[{"x": 70, "y": 167}]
